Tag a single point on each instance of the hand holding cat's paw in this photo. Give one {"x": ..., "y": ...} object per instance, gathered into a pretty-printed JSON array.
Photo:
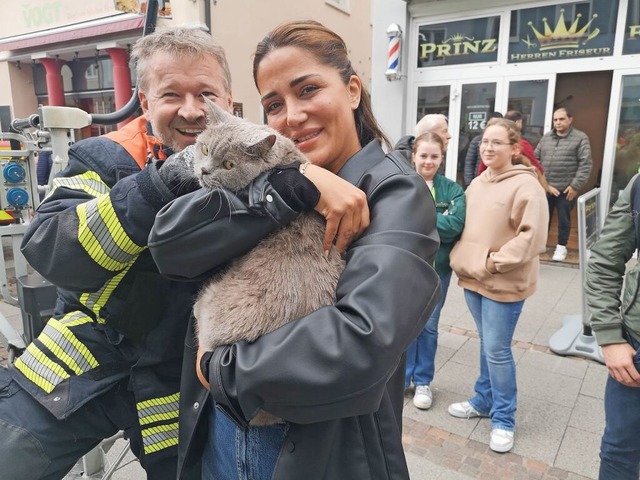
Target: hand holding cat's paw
[
  {"x": 343, "y": 205},
  {"x": 177, "y": 172}
]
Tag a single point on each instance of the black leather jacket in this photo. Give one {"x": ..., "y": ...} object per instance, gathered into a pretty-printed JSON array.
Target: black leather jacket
[{"x": 336, "y": 375}]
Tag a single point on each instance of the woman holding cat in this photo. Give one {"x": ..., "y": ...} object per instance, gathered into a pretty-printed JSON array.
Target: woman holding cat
[{"x": 335, "y": 376}]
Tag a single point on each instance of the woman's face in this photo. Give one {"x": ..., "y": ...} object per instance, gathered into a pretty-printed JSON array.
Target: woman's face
[
  {"x": 496, "y": 150},
  {"x": 427, "y": 159},
  {"x": 309, "y": 103}
]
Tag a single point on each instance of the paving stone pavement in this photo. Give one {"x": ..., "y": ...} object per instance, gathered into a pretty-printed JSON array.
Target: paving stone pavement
[{"x": 560, "y": 399}]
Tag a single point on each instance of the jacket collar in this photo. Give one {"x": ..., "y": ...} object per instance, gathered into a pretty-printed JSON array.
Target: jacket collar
[
  {"x": 569, "y": 132},
  {"x": 361, "y": 162}
]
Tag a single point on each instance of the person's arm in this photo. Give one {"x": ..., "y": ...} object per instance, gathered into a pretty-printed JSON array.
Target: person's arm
[
  {"x": 584, "y": 164},
  {"x": 450, "y": 225},
  {"x": 335, "y": 362},
  {"x": 606, "y": 268},
  {"x": 603, "y": 284},
  {"x": 471, "y": 161},
  {"x": 530, "y": 213},
  {"x": 91, "y": 226},
  {"x": 200, "y": 232}
]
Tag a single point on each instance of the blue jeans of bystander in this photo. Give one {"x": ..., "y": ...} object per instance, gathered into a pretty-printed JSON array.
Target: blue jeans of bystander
[
  {"x": 421, "y": 354},
  {"x": 234, "y": 453},
  {"x": 620, "y": 447},
  {"x": 496, "y": 389}
]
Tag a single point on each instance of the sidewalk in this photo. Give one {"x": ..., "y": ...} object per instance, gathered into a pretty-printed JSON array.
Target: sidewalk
[{"x": 560, "y": 399}]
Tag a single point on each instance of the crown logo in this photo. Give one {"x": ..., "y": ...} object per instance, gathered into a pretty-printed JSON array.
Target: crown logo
[{"x": 563, "y": 37}]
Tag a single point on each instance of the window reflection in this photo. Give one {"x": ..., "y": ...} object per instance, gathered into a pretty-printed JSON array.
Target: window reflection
[{"x": 627, "y": 159}]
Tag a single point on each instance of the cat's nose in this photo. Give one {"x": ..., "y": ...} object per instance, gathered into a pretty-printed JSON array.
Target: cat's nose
[{"x": 204, "y": 171}]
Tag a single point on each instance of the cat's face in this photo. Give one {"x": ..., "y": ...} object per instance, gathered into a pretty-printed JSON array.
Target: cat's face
[{"x": 231, "y": 155}]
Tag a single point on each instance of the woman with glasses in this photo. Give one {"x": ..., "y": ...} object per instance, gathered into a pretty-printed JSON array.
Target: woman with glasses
[{"x": 496, "y": 261}]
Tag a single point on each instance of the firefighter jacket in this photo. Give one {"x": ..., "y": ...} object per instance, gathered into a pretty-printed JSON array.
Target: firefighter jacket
[
  {"x": 116, "y": 316},
  {"x": 336, "y": 375}
]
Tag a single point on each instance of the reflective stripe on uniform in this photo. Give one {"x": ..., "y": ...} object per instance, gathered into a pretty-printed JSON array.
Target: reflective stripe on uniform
[
  {"x": 40, "y": 369},
  {"x": 162, "y": 409},
  {"x": 159, "y": 437},
  {"x": 45, "y": 371},
  {"x": 89, "y": 182},
  {"x": 94, "y": 301},
  {"x": 158, "y": 409},
  {"x": 102, "y": 236}
]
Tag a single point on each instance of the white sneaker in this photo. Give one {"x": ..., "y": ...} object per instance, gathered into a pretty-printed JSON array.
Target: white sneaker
[
  {"x": 560, "y": 254},
  {"x": 464, "y": 410},
  {"x": 501, "y": 440},
  {"x": 423, "y": 397}
]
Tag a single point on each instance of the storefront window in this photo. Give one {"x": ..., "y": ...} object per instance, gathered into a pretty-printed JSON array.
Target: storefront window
[
  {"x": 457, "y": 43},
  {"x": 632, "y": 31},
  {"x": 563, "y": 31},
  {"x": 433, "y": 100},
  {"x": 627, "y": 159},
  {"x": 529, "y": 97}
]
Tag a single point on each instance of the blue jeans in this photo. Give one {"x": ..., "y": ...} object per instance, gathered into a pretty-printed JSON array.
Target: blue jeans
[
  {"x": 496, "y": 388},
  {"x": 564, "y": 207},
  {"x": 620, "y": 447},
  {"x": 421, "y": 354},
  {"x": 234, "y": 453}
]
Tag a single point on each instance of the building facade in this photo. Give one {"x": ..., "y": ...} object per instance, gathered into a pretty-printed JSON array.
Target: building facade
[
  {"x": 466, "y": 59},
  {"x": 76, "y": 52}
]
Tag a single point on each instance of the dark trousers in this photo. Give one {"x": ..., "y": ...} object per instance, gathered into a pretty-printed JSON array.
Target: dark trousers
[
  {"x": 564, "y": 207},
  {"x": 36, "y": 445},
  {"x": 620, "y": 447}
]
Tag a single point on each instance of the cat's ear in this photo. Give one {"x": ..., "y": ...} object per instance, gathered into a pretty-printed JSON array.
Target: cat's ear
[
  {"x": 216, "y": 114},
  {"x": 263, "y": 145}
]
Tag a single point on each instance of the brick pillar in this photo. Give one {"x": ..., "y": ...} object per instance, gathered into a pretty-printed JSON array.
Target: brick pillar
[
  {"x": 55, "y": 88},
  {"x": 121, "y": 79}
]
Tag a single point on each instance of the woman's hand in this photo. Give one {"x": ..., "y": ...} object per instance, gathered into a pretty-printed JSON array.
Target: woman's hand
[
  {"x": 203, "y": 381},
  {"x": 343, "y": 206}
]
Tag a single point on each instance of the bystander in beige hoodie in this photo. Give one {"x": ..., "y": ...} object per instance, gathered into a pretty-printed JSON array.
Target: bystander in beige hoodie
[{"x": 505, "y": 231}]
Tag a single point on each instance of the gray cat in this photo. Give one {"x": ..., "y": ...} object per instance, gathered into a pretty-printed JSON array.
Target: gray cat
[{"x": 286, "y": 276}]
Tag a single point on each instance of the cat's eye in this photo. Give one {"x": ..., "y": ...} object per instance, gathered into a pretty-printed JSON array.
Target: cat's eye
[
  {"x": 228, "y": 164},
  {"x": 204, "y": 149}
]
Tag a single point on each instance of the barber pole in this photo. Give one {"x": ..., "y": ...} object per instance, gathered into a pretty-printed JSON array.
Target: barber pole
[{"x": 393, "y": 64}]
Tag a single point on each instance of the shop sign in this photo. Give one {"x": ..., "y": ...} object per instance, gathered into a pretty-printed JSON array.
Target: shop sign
[
  {"x": 456, "y": 43},
  {"x": 563, "y": 31},
  {"x": 632, "y": 29}
]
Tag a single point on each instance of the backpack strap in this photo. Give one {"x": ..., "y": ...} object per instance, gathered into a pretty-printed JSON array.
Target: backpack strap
[{"x": 635, "y": 208}]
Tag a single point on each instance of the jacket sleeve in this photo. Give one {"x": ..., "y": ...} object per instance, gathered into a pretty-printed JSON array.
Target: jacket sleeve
[
  {"x": 471, "y": 160},
  {"x": 90, "y": 227},
  {"x": 584, "y": 163},
  {"x": 606, "y": 269},
  {"x": 450, "y": 226},
  {"x": 336, "y": 361},
  {"x": 196, "y": 233},
  {"x": 530, "y": 216}
]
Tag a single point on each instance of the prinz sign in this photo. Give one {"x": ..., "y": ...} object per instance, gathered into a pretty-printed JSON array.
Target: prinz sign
[{"x": 455, "y": 43}]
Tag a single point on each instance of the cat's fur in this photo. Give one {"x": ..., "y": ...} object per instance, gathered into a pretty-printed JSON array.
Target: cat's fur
[{"x": 286, "y": 276}]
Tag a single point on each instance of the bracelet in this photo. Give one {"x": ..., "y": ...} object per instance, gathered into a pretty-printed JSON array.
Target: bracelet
[{"x": 303, "y": 167}]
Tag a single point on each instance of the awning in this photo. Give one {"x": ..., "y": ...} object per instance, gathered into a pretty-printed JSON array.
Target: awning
[{"x": 69, "y": 33}]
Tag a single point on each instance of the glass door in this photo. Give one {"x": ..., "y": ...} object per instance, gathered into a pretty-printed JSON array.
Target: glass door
[
  {"x": 468, "y": 106},
  {"x": 534, "y": 99}
]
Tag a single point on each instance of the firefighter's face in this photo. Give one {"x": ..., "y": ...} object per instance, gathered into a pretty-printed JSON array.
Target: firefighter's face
[{"x": 172, "y": 99}]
